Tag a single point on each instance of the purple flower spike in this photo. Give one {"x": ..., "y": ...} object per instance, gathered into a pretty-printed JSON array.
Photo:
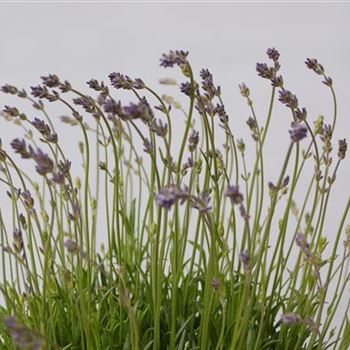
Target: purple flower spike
[
  {"x": 167, "y": 197},
  {"x": 141, "y": 110},
  {"x": 264, "y": 71},
  {"x": 193, "y": 140},
  {"x": 51, "y": 80},
  {"x": 273, "y": 54},
  {"x": 298, "y": 132},
  {"x": 186, "y": 88},
  {"x": 173, "y": 58},
  {"x": 245, "y": 259},
  {"x": 287, "y": 98},
  {"x": 233, "y": 193},
  {"x": 343, "y": 146}
]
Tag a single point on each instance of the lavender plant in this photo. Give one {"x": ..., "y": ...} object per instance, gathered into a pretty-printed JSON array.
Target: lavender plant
[{"x": 201, "y": 249}]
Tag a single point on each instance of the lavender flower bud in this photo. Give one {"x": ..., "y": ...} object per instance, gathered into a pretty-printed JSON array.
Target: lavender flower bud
[
  {"x": 290, "y": 319},
  {"x": 11, "y": 111},
  {"x": 101, "y": 87},
  {"x": 245, "y": 216},
  {"x": 241, "y": 145},
  {"x": 189, "y": 164},
  {"x": 58, "y": 178},
  {"x": 3, "y": 154},
  {"x": 148, "y": 147},
  {"x": 287, "y": 98},
  {"x": 65, "y": 86},
  {"x": 86, "y": 102},
  {"x": 234, "y": 195},
  {"x": 39, "y": 91},
  {"x": 186, "y": 88},
  {"x": 193, "y": 140},
  {"x": 22, "y": 93},
  {"x": 298, "y": 132},
  {"x": 177, "y": 57},
  {"x": 273, "y": 54},
  {"x": 44, "y": 129},
  {"x": 251, "y": 122},
  {"x": 113, "y": 107},
  {"x": 139, "y": 84},
  {"x": 9, "y": 89},
  {"x": 51, "y": 80},
  {"x": 27, "y": 199},
  {"x": 245, "y": 260},
  {"x": 94, "y": 84},
  {"x": 301, "y": 114},
  {"x": 208, "y": 84},
  {"x": 245, "y": 92},
  {"x": 313, "y": 64},
  {"x": 277, "y": 81},
  {"x": 167, "y": 197},
  {"x": 202, "y": 202},
  {"x": 120, "y": 81},
  {"x": 159, "y": 128},
  {"x": 221, "y": 112},
  {"x": 328, "y": 81},
  {"x": 44, "y": 164},
  {"x": 264, "y": 71},
  {"x": 343, "y": 146},
  {"x": 18, "y": 240},
  {"x": 301, "y": 242},
  {"x": 64, "y": 166},
  {"x": 141, "y": 110},
  {"x": 20, "y": 147},
  {"x": 72, "y": 246}
]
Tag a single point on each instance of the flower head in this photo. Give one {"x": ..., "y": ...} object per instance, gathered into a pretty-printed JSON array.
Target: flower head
[
  {"x": 186, "y": 88},
  {"x": 51, "y": 80},
  {"x": 9, "y": 89},
  {"x": 193, "y": 140},
  {"x": 313, "y": 64},
  {"x": 208, "y": 84},
  {"x": 202, "y": 202},
  {"x": 112, "y": 106},
  {"x": 298, "y": 132},
  {"x": 39, "y": 91},
  {"x": 287, "y": 98},
  {"x": 169, "y": 196},
  {"x": 265, "y": 71},
  {"x": 177, "y": 57},
  {"x": 20, "y": 147},
  {"x": 147, "y": 144},
  {"x": 72, "y": 246},
  {"x": 273, "y": 54},
  {"x": 44, "y": 165},
  {"x": 121, "y": 81},
  {"x": 343, "y": 146},
  {"x": 234, "y": 195},
  {"x": 221, "y": 112},
  {"x": 244, "y": 257},
  {"x": 141, "y": 110},
  {"x": 18, "y": 240}
]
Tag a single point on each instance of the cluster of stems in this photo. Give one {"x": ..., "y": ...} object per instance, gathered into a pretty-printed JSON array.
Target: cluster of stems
[{"x": 200, "y": 249}]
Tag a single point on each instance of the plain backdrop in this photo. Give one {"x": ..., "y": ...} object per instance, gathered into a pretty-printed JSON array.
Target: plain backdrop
[{"x": 82, "y": 41}]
